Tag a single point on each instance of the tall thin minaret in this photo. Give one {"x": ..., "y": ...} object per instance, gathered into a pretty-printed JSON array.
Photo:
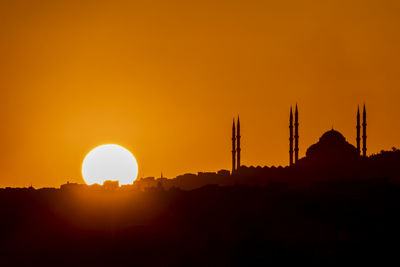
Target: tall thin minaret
[
  {"x": 296, "y": 135},
  {"x": 233, "y": 147},
  {"x": 238, "y": 144},
  {"x": 291, "y": 137},
  {"x": 364, "y": 137},
  {"x": 358, "y": 127}
]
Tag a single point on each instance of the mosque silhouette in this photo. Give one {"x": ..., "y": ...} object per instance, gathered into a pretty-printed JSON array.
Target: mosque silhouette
[{"x": 332, "y": 147}]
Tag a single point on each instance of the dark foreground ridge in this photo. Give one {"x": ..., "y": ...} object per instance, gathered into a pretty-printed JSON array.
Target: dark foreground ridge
[{"x": 337, "y": 218}]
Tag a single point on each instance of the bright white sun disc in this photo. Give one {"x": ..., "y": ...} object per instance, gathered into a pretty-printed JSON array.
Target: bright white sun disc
[{"x": 109, "y": 162}]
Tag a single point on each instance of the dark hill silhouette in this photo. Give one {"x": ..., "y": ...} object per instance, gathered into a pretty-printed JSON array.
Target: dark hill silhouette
[{"x": 348, "y": 222}]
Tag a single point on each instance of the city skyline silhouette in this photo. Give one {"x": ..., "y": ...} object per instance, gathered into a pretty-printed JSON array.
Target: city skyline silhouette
[{"x": 293, "y": 144}]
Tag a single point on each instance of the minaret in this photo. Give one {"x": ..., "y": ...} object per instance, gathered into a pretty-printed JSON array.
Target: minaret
[
  {"x": 291, "y": 137},
  {"x": 238, "y": 144},
  {"x": 364, "y": 137},
  {"x": 358, "y": 127},
  {"x": 233, "y": 147},
  {"x": 296, "y": 135}
]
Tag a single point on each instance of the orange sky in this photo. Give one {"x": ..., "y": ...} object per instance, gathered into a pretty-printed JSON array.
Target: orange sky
[{"x": 164, "y": 78}]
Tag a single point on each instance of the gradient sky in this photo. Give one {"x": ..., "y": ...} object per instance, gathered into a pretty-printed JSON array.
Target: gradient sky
[{"x": 164, "y": 79}]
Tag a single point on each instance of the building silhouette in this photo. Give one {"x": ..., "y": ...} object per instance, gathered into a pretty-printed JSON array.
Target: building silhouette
[
  {"x": 332, "y": 146},
  {"x": 358, "y": 139},
  {"x": 236, "y": 146},
  {"x": 364, "y": 132},
  {"x": 296, "y": 136},
  {"x": 291, "y": 137},
  {"x": 233, "y": 147}
]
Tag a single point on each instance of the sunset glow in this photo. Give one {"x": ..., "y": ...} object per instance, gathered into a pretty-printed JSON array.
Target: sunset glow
[{"x": 109, "y": 162}]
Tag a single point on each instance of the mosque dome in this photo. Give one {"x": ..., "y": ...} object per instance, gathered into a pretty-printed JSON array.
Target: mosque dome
[
  {"x": 332, "y": 136},
  {"x": 332, "y": 147}
]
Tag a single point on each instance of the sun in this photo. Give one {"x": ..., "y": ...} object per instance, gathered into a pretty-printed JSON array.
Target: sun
[{"x": 109, "y": 162}]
